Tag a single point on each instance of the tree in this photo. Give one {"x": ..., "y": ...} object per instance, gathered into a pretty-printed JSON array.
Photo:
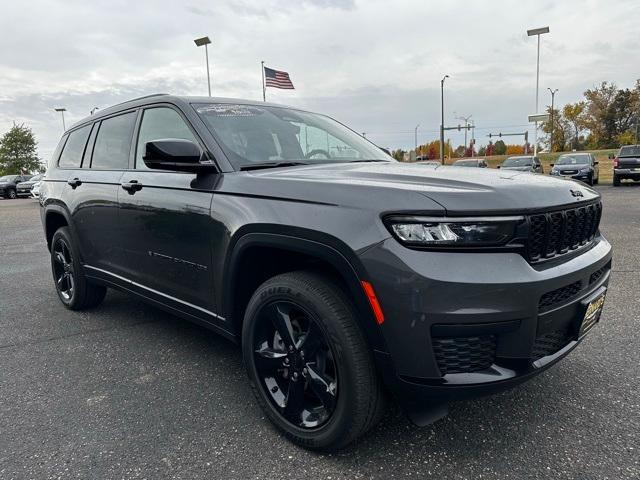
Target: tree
[
  {"x": 560, "y": 129},
  {"x": 398, "y": 154},
  {"x": 574, "y": 115},
  {"x": 500, "y": 148},
  {"x": 18, "y": 151},
  {"x": 599, "y": 115}
]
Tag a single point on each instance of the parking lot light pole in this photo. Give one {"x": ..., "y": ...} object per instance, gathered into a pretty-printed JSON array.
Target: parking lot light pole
[
  {"x": 442, "y": 119},
  {"x": 537, "y": 32},
  {"x": 415, "y": 137},
  {"x": 62, "y": 110},
  {"x": 204, "y": 41},
  {"x": 553, "y": 94}
]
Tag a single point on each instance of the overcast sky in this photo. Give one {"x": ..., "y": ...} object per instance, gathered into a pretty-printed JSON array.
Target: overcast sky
[{"x": 375, "y": 65}]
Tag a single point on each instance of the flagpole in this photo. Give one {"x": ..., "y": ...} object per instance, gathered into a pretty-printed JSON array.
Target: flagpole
[{"x": 264, "y": 90}]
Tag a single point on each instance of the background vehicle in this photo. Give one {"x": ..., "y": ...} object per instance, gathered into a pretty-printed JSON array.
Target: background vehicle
[
  {"x": 627, "y": 164},
  {"x": 9, "y": 183},
  {"x": 579, "y": 166},
  {"x": 430, "y": 162},
  {"x": 342, "y": 273},
  {"x": 35, "y": 190},
  {"x": 524, "y": 163},
  {"x": 23, "y": 189},
  {"x": 475, "y": 162}
]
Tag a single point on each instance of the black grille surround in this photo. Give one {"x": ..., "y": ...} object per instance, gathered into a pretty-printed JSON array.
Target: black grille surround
[
  {"x": 556, "y": 233},
  {"x": 464, "y": 354},
  {"x": 549, "y": 343},
  {"x": 597, "y": 275}
]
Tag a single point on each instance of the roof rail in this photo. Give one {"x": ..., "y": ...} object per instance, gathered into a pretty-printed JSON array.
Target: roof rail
[{"x": 139, "y": 98}]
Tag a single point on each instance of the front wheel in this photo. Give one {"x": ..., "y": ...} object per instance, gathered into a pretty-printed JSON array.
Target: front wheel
[
  {"x": 74, "y": 290},
  {"x": 308, "y": 362},
  {"x": 12, "y": 194}
]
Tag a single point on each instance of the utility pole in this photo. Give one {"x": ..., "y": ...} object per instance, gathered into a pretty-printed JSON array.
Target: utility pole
[
  {"x": 553, "y": 94},
  {"x": 415, "y": 135},
  {"x": 442, "y": 119},
  {"x": 537, "y": 32}
]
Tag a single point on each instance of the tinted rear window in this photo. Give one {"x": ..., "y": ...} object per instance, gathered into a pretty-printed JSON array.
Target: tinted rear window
[
  {"x": 113, "y": 143},
  {"x": 630, "y": 151},
  {"x": 74, "y": 148}
]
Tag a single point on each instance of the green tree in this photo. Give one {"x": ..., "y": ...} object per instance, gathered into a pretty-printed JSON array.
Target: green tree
[
  {"x": 500, "y": 148},
  {"x": 574, "y": 116},
  {"x": 398, "y": 154},
  {"x": 599, "y": 115},
  {"x": 18, "y": 151},
  {"x": 560, "y": 130}
]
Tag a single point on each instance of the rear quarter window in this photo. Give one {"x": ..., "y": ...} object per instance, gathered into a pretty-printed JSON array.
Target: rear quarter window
[{"x": 71, "y": 155}]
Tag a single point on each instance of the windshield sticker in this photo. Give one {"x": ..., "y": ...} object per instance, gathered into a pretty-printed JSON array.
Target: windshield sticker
[{"x": 220, "y": 110}]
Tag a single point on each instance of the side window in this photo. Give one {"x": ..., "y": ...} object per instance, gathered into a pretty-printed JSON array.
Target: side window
[
  {"x": 160, "y": 123},
  {"x": 113, "y": 143},
  {"x": 71, "y": 156}
]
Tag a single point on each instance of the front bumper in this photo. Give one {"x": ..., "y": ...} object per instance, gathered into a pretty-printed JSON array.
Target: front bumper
[{"x": 489, "y": 306}]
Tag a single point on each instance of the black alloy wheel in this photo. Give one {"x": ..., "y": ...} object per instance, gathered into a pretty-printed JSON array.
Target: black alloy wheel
[
  {"x": 75, "y": 291},
  {"x": 295, "y": 364},
  {"x": 309, "y": 365},
  {"x": 63, "y": 271},
  {"x": 12, "y": 194}
]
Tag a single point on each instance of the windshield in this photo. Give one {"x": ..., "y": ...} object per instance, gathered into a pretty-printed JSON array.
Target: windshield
[
  {"x": 630, "y": 151},
  {"x": 7, "y": 178},
  {"x": 257, "y": 134},
  {"x": 517, "y": 162},
  {"x": 465, "y": 163},
  {"x": 573, "y": 160}
]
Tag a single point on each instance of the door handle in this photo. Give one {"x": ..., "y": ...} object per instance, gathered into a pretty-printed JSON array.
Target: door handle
[
  {"x": 132, "y": 186},
  {"x": 74, "y": 182}
]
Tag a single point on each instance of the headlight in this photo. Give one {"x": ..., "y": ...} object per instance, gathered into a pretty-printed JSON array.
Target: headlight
[
  {"x": 584, "y": 170},
  {"x": 423, "y": 231}
]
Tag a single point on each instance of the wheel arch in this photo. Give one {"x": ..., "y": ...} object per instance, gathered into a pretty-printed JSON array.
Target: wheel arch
[
  {"x": 55, "y": 216},
  {"x": 302, "y": 249}
]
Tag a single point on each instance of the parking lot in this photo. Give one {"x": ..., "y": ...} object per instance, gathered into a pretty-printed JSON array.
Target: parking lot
[{"x": 128, "y": 391}]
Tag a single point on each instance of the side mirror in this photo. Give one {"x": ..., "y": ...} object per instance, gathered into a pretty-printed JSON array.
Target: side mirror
[
  {"x": 175, "y": 154},
  {"x": 596, "y": 162},
  {"x": 498, "y": 166},
  {"x": 551, "y": 164}
]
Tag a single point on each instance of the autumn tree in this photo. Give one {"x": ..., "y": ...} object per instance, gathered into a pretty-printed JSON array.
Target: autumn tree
[{"x": 18, "y": 151}]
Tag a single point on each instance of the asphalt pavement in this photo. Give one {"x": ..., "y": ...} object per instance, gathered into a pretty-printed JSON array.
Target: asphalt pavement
[{"x": 129, "y": 391}]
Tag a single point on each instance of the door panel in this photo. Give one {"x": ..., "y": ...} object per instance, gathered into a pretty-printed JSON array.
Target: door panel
[{"x": 166, "y": 235}]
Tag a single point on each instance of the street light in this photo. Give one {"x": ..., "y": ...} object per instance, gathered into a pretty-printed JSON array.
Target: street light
[
  {"x": 466, "y": 125},
  {"x": 415, "y": 135},
  {"x": 553, "y": 94},
  {"x": 442, "y": 119},
  {"x": 199, "y": 43},
  {"x": 62, "y": 110},
  {"x": 537, "y": 32}
]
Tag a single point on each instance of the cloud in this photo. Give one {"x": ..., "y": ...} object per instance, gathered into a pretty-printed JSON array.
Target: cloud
[{"x": 375, "y": 65}]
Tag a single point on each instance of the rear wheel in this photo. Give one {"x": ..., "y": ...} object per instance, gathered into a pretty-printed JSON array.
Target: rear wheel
[
  {"x": 616, "y": 181},
  {"x": 309, "y": 365},
  {"x": 74, "y": 290}
]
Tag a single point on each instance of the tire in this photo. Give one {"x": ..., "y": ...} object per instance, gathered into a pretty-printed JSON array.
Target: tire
[
  {"x": 353, "y": 400},
  {"x": 12, "y": 194},
  {"x": 73, "y": 288},
  {"x": 616, "y": 181}
]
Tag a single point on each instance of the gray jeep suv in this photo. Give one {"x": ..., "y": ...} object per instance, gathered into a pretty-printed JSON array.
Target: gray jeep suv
[{"x": 346, "y": 277}]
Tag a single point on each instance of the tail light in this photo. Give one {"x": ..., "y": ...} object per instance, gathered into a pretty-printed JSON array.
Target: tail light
[{"x": 615, "y": 162}]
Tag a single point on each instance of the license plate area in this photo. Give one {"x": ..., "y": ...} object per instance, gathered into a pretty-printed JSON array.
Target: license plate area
[{"x": 593, "y": 310}]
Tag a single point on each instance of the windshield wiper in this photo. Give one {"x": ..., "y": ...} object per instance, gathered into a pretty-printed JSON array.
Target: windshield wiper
[
  {"x": 258, "y": 166},
  {"x": 370, "y": 160}
]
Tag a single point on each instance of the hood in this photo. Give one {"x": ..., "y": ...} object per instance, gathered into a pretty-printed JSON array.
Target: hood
[
  {"x": 577, "y": 166},
  {"x": 396, "y": 186},
  {"x": 517, "y": 169}
]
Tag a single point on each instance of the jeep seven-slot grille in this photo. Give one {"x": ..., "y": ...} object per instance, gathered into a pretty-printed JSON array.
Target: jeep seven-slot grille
[
  {"x": 464, "y": 354},
  {"x": 559, "y": 295},
  {"x": 555, "y": 233},
  {"x": 549, "y": 343}
]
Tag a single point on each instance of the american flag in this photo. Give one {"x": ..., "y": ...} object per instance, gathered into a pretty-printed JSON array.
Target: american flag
[{"x": 277, "y": 79}]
